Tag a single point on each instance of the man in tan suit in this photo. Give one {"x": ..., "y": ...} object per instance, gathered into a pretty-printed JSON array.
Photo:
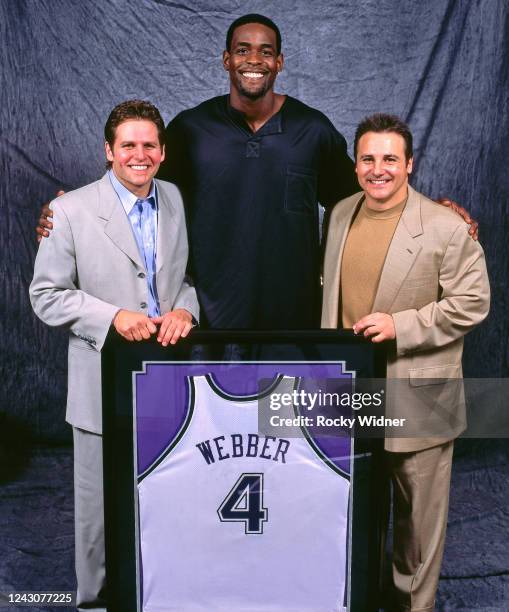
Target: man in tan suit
[{"x": 403, "y": 270}]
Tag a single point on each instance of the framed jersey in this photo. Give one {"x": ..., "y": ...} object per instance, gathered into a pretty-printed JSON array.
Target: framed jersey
[{"x": 230, "y": 486}]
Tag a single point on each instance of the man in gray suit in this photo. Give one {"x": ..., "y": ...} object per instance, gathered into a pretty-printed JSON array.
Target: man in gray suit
[
  {"x": 117, "y": 257},
  {"x": 401, "y": 269}
]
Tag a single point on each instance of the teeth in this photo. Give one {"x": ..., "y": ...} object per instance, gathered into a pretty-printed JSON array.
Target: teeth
[
  {"x": 379, "y": 181},
  {"x": 253, "y": 75},
  {"x": 139, "y": 167}
]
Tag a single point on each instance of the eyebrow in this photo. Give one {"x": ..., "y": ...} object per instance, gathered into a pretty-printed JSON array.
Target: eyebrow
[
  {"x": 385, "y": 155},
  {"x": 263, "y": 45},
  {"x": 130, "y": 142}
]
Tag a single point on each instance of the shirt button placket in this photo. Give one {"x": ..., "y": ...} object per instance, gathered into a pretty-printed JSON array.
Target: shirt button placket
[{"x": 253, "y": 148}]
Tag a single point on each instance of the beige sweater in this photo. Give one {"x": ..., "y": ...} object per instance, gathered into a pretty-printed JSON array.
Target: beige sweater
[{"x": 364, "y": 255}]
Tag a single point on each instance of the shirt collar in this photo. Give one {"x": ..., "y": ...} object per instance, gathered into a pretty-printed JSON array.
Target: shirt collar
[
  {"x": 273, "y": 126},
  {"x": 126, "y": 197}
]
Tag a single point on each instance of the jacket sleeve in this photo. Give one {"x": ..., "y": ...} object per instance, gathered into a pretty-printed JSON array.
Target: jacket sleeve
[
  {"x": 187, "y": 299},
  {"x": 464, "y": 299},
  {"x": 54, "y": 290}
]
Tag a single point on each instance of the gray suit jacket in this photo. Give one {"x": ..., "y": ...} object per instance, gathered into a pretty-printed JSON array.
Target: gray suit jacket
[
  {"x": 90, "y": 267},
  {"x": 435, "y": 284}
]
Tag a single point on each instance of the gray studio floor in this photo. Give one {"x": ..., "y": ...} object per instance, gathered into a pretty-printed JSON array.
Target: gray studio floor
[{"x": 36, "y": 529}]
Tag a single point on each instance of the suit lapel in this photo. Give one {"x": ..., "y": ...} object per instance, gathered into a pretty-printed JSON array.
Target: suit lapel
[
  {"x": 165, "y": 228},
  {"x": 401, "y": 255},
  {"x": 335, "y": 245},
  {"x": 117, "y": 227}
]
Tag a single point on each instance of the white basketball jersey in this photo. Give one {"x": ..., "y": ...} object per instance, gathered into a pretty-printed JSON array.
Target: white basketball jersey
[{"x": 234, "y": 521}]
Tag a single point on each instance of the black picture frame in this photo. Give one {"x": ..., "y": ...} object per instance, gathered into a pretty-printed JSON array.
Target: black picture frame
[{"x": 120, "y": 359}]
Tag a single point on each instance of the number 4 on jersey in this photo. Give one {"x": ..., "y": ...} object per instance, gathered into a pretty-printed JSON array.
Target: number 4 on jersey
[{"x": 244, "y": 503}]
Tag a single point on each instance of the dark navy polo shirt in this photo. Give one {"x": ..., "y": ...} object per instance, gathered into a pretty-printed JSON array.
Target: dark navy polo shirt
[{"x": 251, "y": 206}]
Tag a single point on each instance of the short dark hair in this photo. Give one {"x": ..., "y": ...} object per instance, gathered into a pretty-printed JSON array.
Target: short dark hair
[
  {"x": 132, "y": 109},
  {"x": 253, "y": 18},
  {"x": 381, "y": 122}
]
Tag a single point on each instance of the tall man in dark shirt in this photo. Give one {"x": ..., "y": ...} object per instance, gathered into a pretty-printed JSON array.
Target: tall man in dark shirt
[{"x": 252, "y": 166}]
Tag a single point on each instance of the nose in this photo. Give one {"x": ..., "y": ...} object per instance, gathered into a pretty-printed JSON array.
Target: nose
[
  {"x": 378, "y": 166},
  {"x": 253, "y": 57},
  {"x": 139, "y": 151}
]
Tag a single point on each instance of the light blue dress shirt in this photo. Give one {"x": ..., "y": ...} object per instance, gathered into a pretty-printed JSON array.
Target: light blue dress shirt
[{"x": 142, "y": 214}]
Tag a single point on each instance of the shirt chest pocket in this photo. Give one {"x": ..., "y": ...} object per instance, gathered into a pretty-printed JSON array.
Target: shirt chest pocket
[{"x": 301, "y": 190}]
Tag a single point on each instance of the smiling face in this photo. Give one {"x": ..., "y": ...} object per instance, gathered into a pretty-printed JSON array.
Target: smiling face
[
  {"x": 252, "y": 61},
  {"x": 382, "y": 169},
  {"x": 136, "y": 155}
]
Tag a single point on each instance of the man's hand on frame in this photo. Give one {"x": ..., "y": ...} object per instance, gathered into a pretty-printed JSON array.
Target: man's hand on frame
[
  {"x": 173, "y": 325},
  {"x": 133, "y": 325},
  {"x": 378, "y": 326}
]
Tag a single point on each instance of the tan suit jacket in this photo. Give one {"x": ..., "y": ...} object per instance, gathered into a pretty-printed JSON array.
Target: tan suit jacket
[{"x": 435, "y": 284}]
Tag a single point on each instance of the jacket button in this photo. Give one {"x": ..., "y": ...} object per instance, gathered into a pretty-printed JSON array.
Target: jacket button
[
  {"x": 143, "y": 305},
  {"x": 141, "y": 274}
]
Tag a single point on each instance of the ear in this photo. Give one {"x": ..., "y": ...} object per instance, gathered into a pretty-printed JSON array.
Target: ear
[
  {"x": 280, "y": 62},
  {"x": 109, "y": 152},
  {"x": 226, "y": 60},
  {"x": 410, "y": 165},
  {"x": 163, "y": 153}
]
